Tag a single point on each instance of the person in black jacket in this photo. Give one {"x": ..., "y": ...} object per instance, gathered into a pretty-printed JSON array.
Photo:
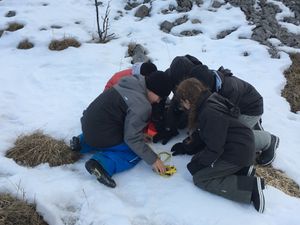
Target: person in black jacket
[
  {"x": 225, "y": 146},
  {"x": 223, "y": 82},
  {"x": 250, "y": 102}
]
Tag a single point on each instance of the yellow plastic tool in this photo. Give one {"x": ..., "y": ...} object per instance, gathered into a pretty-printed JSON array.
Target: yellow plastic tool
[{"x": 170, "y": 170}]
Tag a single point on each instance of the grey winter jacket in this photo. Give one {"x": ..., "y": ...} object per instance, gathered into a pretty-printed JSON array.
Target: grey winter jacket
[{"x": 119, "y": 115}]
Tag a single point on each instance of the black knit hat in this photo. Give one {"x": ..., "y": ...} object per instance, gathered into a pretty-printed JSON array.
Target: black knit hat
[
  {"x": 157, "y": 82},
  {"x": 180, "y": 69},
  {"x": 205, "y": 75},
  {"x": 147, "y": 68}
]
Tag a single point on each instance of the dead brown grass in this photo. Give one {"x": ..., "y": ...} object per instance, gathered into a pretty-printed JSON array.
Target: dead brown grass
[
  {"x": 58, "y": 45},
  {"x": 131, "y": 47},
  {"x": 14, "y": 26},
  {"x": 291, "y": 90},
  {"x": 17, "y": 212},
  {"x": 32, "y": 150},
  {"x": 279, "y": 180},
  {"x": 25, "y": 44}
]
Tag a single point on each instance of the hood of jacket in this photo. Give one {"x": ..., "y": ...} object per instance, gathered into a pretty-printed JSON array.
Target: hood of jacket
[{"x": 135, "y": 82}]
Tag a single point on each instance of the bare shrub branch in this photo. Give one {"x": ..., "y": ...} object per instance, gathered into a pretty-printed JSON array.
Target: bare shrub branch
[{"x": 103, "y": 36}]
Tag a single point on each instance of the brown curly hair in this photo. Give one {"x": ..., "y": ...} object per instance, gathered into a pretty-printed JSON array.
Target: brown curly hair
[{"x": 191, "y": 90}]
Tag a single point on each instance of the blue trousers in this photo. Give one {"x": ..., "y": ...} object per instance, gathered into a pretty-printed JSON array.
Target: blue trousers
[{"x": 113, "y": 159}]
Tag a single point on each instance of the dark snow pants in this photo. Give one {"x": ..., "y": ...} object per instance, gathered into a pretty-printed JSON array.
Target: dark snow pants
[{"x": 221, "y": 180}]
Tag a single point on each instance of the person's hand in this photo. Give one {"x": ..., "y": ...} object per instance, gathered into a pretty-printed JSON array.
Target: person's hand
[
  {"x": 178, "y": 149},
  {"x": 159, "y": 166},
  {"x": 164, "y": 136}
]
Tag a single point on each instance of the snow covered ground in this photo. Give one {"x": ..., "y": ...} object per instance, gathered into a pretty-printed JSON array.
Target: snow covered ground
[{"x": 48, "y": 90}]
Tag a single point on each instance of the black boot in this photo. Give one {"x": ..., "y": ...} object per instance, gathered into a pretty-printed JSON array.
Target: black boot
[
  {"x": 268, "y": 155},
  {"x": 257, "y": 197},
  {"x": 75, "y": 144},
  {"x": 94, "y": 168}
]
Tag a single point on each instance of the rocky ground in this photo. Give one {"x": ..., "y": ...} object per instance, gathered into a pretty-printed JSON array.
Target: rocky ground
[{"x": 262, "y": 14}]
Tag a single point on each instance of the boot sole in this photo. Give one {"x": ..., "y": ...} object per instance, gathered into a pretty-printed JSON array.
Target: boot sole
[
  {"x": 260, "y": 186},
  {"x": 100, "y": 177},
  {"x": 276, "y": 146},
  {"x": 251, "y": 171}
]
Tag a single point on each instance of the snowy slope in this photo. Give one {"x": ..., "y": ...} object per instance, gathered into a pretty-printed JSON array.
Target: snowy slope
[{"x": 42, "y": 89}]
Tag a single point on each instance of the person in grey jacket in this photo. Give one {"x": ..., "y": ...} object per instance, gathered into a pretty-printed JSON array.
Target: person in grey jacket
[{"x": 112, "y": 127}]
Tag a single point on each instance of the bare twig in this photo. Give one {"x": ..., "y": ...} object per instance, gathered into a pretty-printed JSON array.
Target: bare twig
[{"x": 103, "y": 33}]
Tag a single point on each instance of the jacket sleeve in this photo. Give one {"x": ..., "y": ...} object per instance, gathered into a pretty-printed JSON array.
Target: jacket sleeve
[
  {"x": 135, "y": 122},
  {"x": 214, "y": 132}
]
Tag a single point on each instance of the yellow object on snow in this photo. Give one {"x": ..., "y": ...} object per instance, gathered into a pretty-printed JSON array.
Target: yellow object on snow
[{"x": 170, "y": 170}]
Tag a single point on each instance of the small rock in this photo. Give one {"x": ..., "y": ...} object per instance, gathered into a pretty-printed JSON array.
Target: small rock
[
  {"x": 10, "y": 14},
  {"x": 166, "y": 26},
  {"x": 216, "y": 4},
  {"x": 180, "y": 20},
  {"x": 56, "y": 27},
  {"x": 184, "y": 5},
  {"x": 190, "y": 32},
  {"x": 195, "y": 21},
  {"x": 142, "y": 11}
]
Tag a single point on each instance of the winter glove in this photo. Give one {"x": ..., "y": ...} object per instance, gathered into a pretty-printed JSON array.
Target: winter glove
[
  {"x": 165, "y": 135},
  {"x": 178, "y": 149}
]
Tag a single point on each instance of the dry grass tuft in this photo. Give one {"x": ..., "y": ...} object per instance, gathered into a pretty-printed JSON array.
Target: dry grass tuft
[
  {"x": 37, "y": 148},
  {"x": 291, "y": 90},
  {"x": 279, "y": 180},
  {"x": 131, "y": 47},
  {"x": 17, "y": 212},
  {"x": 25, "y": 44},
  {"x": 14, "y": 26},
  {"x": 58, "y": 45}
]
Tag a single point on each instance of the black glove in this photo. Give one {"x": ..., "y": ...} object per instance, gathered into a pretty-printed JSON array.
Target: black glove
[
  {"x": 178, "y": 149},
  {"x": 164, "y": 136}
]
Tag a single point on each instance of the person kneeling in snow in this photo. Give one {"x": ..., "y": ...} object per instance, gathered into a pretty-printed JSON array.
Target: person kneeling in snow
[
  {"x": 224, "y": 151},
  {"x": 113, "y": 124}
]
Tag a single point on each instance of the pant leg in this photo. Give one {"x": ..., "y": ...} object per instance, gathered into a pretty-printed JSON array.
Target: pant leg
[
  {"x": 220, "y": 180},
  {"x": 116, "y": 159},
  {"x": 85, "y": 148},
  {"x": 262, "y": 138}
]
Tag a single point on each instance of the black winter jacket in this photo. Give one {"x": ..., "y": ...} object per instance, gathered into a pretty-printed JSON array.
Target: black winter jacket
[
  {"x": 238, "y": 91},
  {"x": 223, "y": 135},
  {"x": 104, "y": 126},
  {"x": 243, "y": 94}
]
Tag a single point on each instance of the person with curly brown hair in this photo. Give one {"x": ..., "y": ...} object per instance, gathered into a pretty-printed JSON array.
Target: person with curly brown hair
[{"x": 224, "y": 146}]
